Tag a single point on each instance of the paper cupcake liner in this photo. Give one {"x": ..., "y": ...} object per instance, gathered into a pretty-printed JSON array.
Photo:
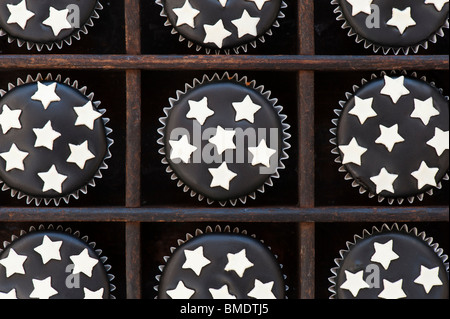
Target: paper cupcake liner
[
  {"x": 386, "y": 49},
  {"x": 76, "y": 194},
  {"x": 251, "y": 84},
  {"x": 75, "y": 234},
  {"x": 384, "y": 228},
  {"x": 236, "y": 50},
  {"x": 211, "y": 230},
  {"x": 338, "y": 159},
  {"x": 76, "y": 35}
]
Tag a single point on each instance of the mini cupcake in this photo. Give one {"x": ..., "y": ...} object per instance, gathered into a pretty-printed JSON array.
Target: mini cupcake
[
  {"x": 46, "y": 23},
  {"x": 222, "y": 25},
  {"x": 391, "y": 263},
  {"x": 390, "y": 25},
  {"x": 53, "y": 264},
  {"x": 392, "y": 137},
  {"x": 223, "y": 139},
  {"x": 53, "y": 140},
  {"x": 221, "y": 265}
]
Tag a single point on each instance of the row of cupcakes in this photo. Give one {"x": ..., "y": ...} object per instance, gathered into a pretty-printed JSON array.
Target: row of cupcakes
[
  {"x": 224, "y": 26},
  {"x": 391, "y": 262},
  {"x": 224, "y": 138}
]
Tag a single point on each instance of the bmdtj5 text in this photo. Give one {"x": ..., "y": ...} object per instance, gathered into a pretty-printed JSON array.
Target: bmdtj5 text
[{"x": 239, "y": 308}]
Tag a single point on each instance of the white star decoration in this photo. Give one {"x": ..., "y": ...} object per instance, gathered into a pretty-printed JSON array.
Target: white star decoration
[
  {"x": 262, "y": 291},
  {"x": 216, "y": 33},
  {"x": 394, "y": 87},
  {"x": 80, "y": 154},
  {"x": 424, "y": 110},
  {"x": 9, "y": 119},
  {"x": 180, "y": 292},
  {"x": 352, "y": 152},
  {"x": 83, "y": 263},
  {"x": 401, "y": 19},
  {"x": 360, "y": 6},
  {"x": 354, "y": 282},
  {"x": 222, "y": 176},
  {"x": 223, "y": 3},
  {"x": 87, "y": 115},
  {"x": 49, "y": 250},
  {"x": 88, "y": 294},
  {"x": 199, "y": 110},
  {"x": 43, "y": 289},
  {"x": 195, "y": 260},
  {"x": 221, "y": 293},
  {"x": 246, "y": 24},
  {"x": 259, "y": 3},
  {"x": 392, "y": 290},
  {"x": 57, "y": 20},
  {"x": 425, "y": 175},
  {"x": 46, "y": 94},
  {"x": 19, "y": 14},
  {"x": 14, "y": 158},
  {"x": 384, "y": 253},
  {"x": 238, "y": 263},
  {"x": 438, "y": 4},
  {"x": 186, "y": 14},
  {"x": 8, "y": 295},
  {"x": 261, "y": 154},
  {"x": 384, "y": 181},
  {"x": 440, "y": 141},
  {"x": 181, "y": 149},
  {"x": 52, "y": 180},
  {"x": 223, "y": 139},
  {"x": 46, "y": 136},
  {"x": 428, "y": 278},
  {"x": 246, "y": 109},
  {"x": 363, "y": 109},
  {"x": 13, "y": 263},
  {"x": 389, "y": 137}
]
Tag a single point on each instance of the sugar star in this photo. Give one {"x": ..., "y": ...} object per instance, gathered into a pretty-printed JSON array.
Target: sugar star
[
  {"x": 46, "y": 94},
  {"x": 46, "y": 136},
  {"x": 52, "y": 180},
  {"x": 14, "y": 158},
  {"x": 439, "y": 141},
  {"x": 401, "y": 19},
  {"x": 83, "y": 263},
  {"x": 261, "y": 154},
  {"x": 87, "y": 115},
  {"x": 425, "y": 175},
  {"x": 246, "y": 24},
  {"x": 438, "y": 4},
  {"x": 221, "y": 293},
  {"x": 354, "y": 282},
  {"x": 181, "y": 149},
  {"x": 363, "y": 109},
  {"x": 80, "y": 154},
  {"x": 238, "y": 263},
  {"x": 43, "y": 289},
  {"x": 49, "y": 250},
  {"x": 216, "y": 33},
  {"x": 360, "y": 6},
  {"x": 222, "y": 176},
  {"x": 195, "y": 260},
  {"x": 89, "y": 294},
  {"x": 180, "y": 292},
  {"x": 223, "y": 3},
  {"x": 13, "y": 263},
  {"x": 223, "y": 139},
  {"x": 186, "y": 14},
  {"x": 428, "y": 278},
  {"x": 424, "y": 110},
  {"x": 9, "y": 119},
  {"x": 259, "y": 3},
  {"x": 57, "y": 20},
  {"x": 246, "y": 109},
  {"x": 262, "y": 291},
  {"x": 384, "y": 253},
  {"x": 352, "y": 152},
  {"x": 394, "y": 87},
  {"x": 384, "y": 181},
  {"x": 389, "y": 137},
  {"x": 8, "y": 295},
  {"x": 392, "y": 290},
  {"x": 199, "y": 110},
  {"x": 19, "y": 14}
]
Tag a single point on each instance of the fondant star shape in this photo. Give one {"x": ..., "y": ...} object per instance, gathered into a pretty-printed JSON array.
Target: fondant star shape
[
  {"x": 401, "y": 19},
  {"x": 246, "y": 24},
  {"x": 223, "y": 3},
  {"x": 186, "y": 15},
  {"x": 392, "y": 290},
  {"x": 223, "y": 139},
  {"x": 221, "y": 293},
  {"x": 52, "y": 180},
  {"x": 384, "y": 181},
  {"x": 216, "y": 33},
  {"x": 49, "y": 250},
  {"x": 352, "y": 152},
  {"x": 354, "y": 282},
  {"x": 43, "y": 289},
  {"x": 46, "y": 94},
  {"x": 262, "y": 291},
  {"x": 394, "y": 87},
  {"x": 89, "y": 294},
  {"x": 259, "y": 3},
  {"x": 46, "y": 136},
  {"x": 10, "y": 119},
  {"x": 83, "y": 263},
  {"x": 19, "y": 14},
  {"x": 439, "y": 141},
  {"x": 246, "y": 109},
  {"x": 181, "y": 149},
  {"x": 180, "y": 292},
  {"x": 87, "y": 115},
  {"x": 13, "y": 263},
  {"x": 425, "y": 175},
  {"x": 222, "y": 176},
  {"x": 384, "y": 254},
  {"x": 389, "y": 137},
  {"x": 80, "y": 154},
  {"x": 428, "y": 278},
  {"x": 57, "y": 20},
  {"x": 8, "y": 295},
  {"x": 195, "y": 260},
  {"x": 360, "y": 6},
  {"x": 438, "y": 4},
  {"x": 363, "y": 109},
  {"x": 199, "y": 110},
  {"x": 424, "y": 110},
  {"x": 14, "y": 158},
  {"x": 238, "y": 263},
  {"x": 261, "y": 154}
]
